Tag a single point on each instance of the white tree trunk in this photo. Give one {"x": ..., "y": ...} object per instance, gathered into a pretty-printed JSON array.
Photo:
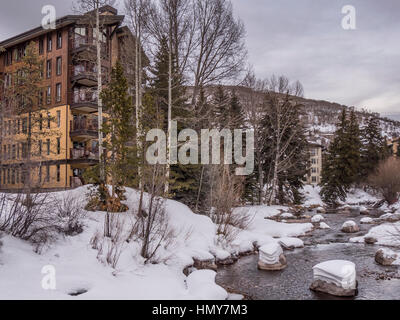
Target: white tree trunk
[{"x": 99, "y": 88}]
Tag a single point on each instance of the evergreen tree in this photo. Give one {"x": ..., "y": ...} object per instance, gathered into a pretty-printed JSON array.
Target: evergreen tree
[
  {"x": 183, "y": 178},
  {"x": 118, "y": 128},
  {"x": 353, "y": 144},
  {"x": 374, "y": 147},
  {"x": 342, "y": 162}
]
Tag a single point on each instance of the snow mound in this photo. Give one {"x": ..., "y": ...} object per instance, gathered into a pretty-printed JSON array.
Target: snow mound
[
  {"x": 387, "y": 234},
  {"x": 201, "y": 285},
  {"x": 323, "y": 225},
  {"x": 367, "y": 220},
  {"x": 287, "y": 215},
  {"x": 349, "y": 224},
  {"x": 270, "y": 253},
  {"x": 290, "y": 243},
  {"x": 391, "y": 255},
  {"x": 339, "y": 272},
  {"x": 317, "y": 218}
]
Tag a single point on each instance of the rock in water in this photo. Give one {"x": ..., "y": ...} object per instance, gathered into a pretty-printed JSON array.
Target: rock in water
[
  {"x": 386, "y": 257},
  {"x": 350, "y": 227},
  {"x": 271, "y": 257},
  {"x": 335, "y": 277},
  {"x": 317, "y": 218}
]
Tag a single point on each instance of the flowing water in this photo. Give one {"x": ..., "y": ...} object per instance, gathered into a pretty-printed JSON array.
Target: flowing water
[{"x": 375, "y": 282}]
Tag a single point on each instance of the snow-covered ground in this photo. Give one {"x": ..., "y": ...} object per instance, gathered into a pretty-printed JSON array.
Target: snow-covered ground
[{"x": 25, "y": 274}]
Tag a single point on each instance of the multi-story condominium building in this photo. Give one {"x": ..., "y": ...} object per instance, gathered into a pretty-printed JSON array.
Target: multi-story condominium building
[
  {"x": 314, "y": 174},
  {"x": 66, "y": 145}
]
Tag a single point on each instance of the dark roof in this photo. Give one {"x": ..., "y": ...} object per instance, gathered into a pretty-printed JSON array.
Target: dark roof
[{"x": 60, "y": 23}]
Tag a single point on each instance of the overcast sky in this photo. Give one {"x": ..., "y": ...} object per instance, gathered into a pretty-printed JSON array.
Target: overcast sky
[{"x": 302, "y": 39}]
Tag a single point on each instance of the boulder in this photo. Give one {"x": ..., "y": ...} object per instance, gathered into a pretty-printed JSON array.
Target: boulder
[
  {"x": 205, "y": 264},
  {"x": 350, "y": 227},
  {"x": 370, "y": 240},
  {"x": 317, "y": 218},
  {"x": 376, "y": 212},
  {"x": 289, "y": 243},
  {"x": 323, "y": 225},
  {"x": 335, "y": 277},
  {"x": 271, "y": 257},
  {"x": 355, "y": 211},
  {"x": 332, "y": 289},
  {"x": 321, "y": 210},
  {"x": 386, "y": 257},
  {"x": 364, "y": 211},
  {"x": 367, "y": 220}
]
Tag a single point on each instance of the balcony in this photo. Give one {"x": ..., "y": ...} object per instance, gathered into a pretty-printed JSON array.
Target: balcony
[
  {"x": 84, "y": 128},
  {"x": 84, "y": 100},
  {"x": 84, "y": 48},
  {"x": 83, "y": 158},
  {"x": 85, "y": 75}
]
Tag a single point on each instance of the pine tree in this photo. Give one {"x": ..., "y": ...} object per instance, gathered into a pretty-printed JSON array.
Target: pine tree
[
  {"x": 183, "y": 178},
  {"x": 342, "y": 162},
  {"x": 220, "y": 106},
  {"x": 374, "y": 147},
  {"x": 353, "y": 154},
  {"x": 118, "y": 129}
]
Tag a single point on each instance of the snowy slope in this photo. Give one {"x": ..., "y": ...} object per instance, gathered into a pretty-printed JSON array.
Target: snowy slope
[{"x": 77, "y": 268}]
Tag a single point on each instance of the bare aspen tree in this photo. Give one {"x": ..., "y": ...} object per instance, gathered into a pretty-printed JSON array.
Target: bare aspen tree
[
  {"x": 219, "y": 51},
  {"x": 281, "y": 131},
  {"x": 252, "y": 100}
]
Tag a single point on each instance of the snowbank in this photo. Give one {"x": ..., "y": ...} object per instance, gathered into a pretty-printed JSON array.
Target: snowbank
[
  {"x": 80, "y": 275},
  {"x": 387, "y": 234},
  {"x": 201, "y": 285}
]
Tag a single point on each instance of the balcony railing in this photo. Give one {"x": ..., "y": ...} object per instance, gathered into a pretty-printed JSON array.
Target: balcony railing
[
  {"x": 82, "y": 123},
  {"x": 85, "y": 96},
  {"x": 84, "y": 154}
]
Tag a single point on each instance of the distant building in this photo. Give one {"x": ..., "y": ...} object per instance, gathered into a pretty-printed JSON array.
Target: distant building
[{"x": 314, "y": 174}]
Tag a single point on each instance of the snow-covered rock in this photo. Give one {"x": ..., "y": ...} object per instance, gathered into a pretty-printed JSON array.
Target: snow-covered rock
[
  {"x": 350, "y": 227},
  {"x": 201, "y": 285},
  {"x": 271, "y": 257},
  {"x": 287, "y": 215},
  {"x": 323, "y": 225},
  {"x": 367, "y": 220},
  {"x": 387, "y": 234},
  {"x": 291, "y": 243},
  {"x": 387, "y": 257},
  {"x": 335, "y": 277},
  {"x": 317, "y": 218}
]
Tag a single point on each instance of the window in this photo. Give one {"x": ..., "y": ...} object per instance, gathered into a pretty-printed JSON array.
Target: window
[
  {"x": 58, "y": 173},
  {"x": 13, "y": 176},
  {"x": 48, "y": 146},
  {"x": 8, "y": 176},
  {"x": 58, "y": 146},
  {"x": 24, "y": 150},
  {"x": 41, "y": 122},
  {"x": 18, "y": 126},
  {"x": 41, "y": 46},
  {"x": 59, "y": 40},
  {"x": 48, "y": 120},
  {"x": 18, "y": 151},
  {"x": 49, "y": 42},
  {"x": 5, "y": 152},
  {"x": 47, "y": 173},
  {"x": 314, "y": 161},
  {"x": 48, "y": 95},
  {"x": 25, "y": 125},
  {"x": 58, "y": 118},
  {"x": 58, "y": 92},
  {"x": 4, "y": 176},
  {"x": 314, "y": 179},
  {"x": 40, "y": 99},
  {"x": 48, "y": 69},
  {"x": 14, "y": 152},
  {"x": 40, "y": 147},
  {"x": 40, "y": 173},
  {"x": 314, "y": 170},
  {"x": 17, "y": 175},
  {"x": 59, "y": 66}
]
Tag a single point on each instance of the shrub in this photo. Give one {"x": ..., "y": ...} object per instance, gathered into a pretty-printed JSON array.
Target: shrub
[
  {"x": 386, "y": 180},
  {"x": 70, "y": 215}
]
